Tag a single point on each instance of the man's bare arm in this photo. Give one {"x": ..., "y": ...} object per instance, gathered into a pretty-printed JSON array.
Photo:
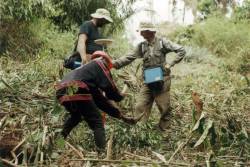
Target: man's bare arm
[{"x": 81, "y": 48}]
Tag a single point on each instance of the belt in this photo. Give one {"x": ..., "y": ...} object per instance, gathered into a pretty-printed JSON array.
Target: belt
[
  {"x": 77, "y": 97},
  {"x": 65, "y": 84}
]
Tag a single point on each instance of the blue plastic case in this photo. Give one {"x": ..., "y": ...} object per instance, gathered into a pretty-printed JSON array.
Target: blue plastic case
[
  {"x": 76, "y": 64},
  {"x": 153, "y": 75}
]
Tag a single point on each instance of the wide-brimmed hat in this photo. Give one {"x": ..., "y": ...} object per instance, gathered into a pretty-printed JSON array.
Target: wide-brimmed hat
[
  {"x": 102, "y": 13},
  {"x": 144, "y": 26}
]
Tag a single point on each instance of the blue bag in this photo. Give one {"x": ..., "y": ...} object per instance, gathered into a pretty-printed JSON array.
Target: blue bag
[{"x": 153, "y": 75}]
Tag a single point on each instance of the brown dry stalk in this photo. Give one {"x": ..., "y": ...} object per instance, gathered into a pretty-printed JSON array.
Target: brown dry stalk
[
  {"x": 79, "y": 153},
  {"x": 45, "y": 130},
  {"x": 109, "y": 147},
  {"x": 8, "y": 162},
  {"x": 131, "y": 161}
]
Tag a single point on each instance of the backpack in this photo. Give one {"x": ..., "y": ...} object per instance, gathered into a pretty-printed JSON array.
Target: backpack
[
  {"x": 70, "y": 62},
  {"x": 73, "y": 57}
]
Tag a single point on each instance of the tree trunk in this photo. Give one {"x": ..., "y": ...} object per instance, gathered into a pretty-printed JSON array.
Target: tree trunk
[{"x": 183, "y": 14}]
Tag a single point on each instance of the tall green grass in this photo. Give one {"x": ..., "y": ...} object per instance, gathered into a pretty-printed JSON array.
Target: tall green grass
[{"x": 225, "y": 38}]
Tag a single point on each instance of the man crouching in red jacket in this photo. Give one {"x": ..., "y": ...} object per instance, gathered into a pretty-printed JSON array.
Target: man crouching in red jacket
[{"x": 81, "y": 93}]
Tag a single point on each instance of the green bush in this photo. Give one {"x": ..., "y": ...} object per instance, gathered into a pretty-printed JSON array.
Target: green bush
[
  {"x": 69, "y": 13},
  {"x": 223, "y": 37},
  {"x": 243, "y": 13},
  {"x": 17, "y": 40},
  {"x": 37, "y": 39},
  {"x": 55, "y": 43},
  {"x": 25, "y": 10}
]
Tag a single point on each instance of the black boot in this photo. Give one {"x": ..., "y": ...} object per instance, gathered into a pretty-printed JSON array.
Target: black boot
[{"x": 69, "y": 124}]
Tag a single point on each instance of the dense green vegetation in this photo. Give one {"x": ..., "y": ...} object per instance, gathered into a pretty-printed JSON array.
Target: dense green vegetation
[{"x": 224, "y": 37}]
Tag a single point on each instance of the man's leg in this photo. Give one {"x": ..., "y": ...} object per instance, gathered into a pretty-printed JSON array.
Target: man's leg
[
  {"x": 144, "y": 102},
  {"x": 73, "y": 120},
  {"x": 162, "y": 100},
  {"x": 94, "y": 119}
]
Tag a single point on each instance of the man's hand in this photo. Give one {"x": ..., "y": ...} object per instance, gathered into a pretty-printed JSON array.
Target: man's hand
[
  {"x": 128, "y": 120},
  {"x": 167, "y": 69},
  {"x": 114, "y": 65},
  {"x": 168, "y": 66}
]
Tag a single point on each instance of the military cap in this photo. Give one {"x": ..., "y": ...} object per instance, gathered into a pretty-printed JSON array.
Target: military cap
[{"x": 144, "y": 26}]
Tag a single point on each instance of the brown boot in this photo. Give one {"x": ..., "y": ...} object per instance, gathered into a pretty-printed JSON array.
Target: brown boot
[{"x": 165, "y": 121}]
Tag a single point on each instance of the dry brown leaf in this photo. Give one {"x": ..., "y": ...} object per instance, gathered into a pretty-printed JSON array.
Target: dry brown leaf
[{"x": 198, "y": 105}]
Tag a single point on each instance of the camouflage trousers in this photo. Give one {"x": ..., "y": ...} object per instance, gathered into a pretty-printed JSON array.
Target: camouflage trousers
[{"x": 147, "y": 97}]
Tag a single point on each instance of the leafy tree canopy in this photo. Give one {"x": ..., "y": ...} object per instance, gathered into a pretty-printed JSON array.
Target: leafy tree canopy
[{"x": 64, "y": 13}]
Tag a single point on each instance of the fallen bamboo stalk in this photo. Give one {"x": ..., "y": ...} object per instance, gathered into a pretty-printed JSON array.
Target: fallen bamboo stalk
[
  {"x": 32, "y": 154},
  {"x": 37, "y": 154},
  {"x": 125, "y": 87},
  {"x": 2, "y": 121},
  {"x": 25, "y": 112},
  {"x": 15, "y": 157},
  {"x": 160, "y": 157},
  {"x": 75, "y": 150},
  {"x": 6, "y": 84},
  {"x": 19, "y": 144},
  {"x": 109, "y": 145},
  {"x": 138, "y": 156},
  {"x": 14, "y": 149},
  {"x": 199, "y": 107},
  {"x": 2, "y": 113},
  {"x": 45, "y": 130},
  {"x": 180, "y": 147},
  {"x": 129, "y": 161},
  {"x": 25, "y": 156},
  {"x": 234, "y": 157},
  {"x": 8, "y": 162}
]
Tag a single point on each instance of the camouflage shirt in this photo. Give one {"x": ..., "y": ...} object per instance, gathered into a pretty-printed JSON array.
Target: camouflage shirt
[{"x": 153, "y": 54}]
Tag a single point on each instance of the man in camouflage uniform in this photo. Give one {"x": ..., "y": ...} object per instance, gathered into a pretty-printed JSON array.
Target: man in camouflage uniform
[{"x": 153, "y": 52}]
